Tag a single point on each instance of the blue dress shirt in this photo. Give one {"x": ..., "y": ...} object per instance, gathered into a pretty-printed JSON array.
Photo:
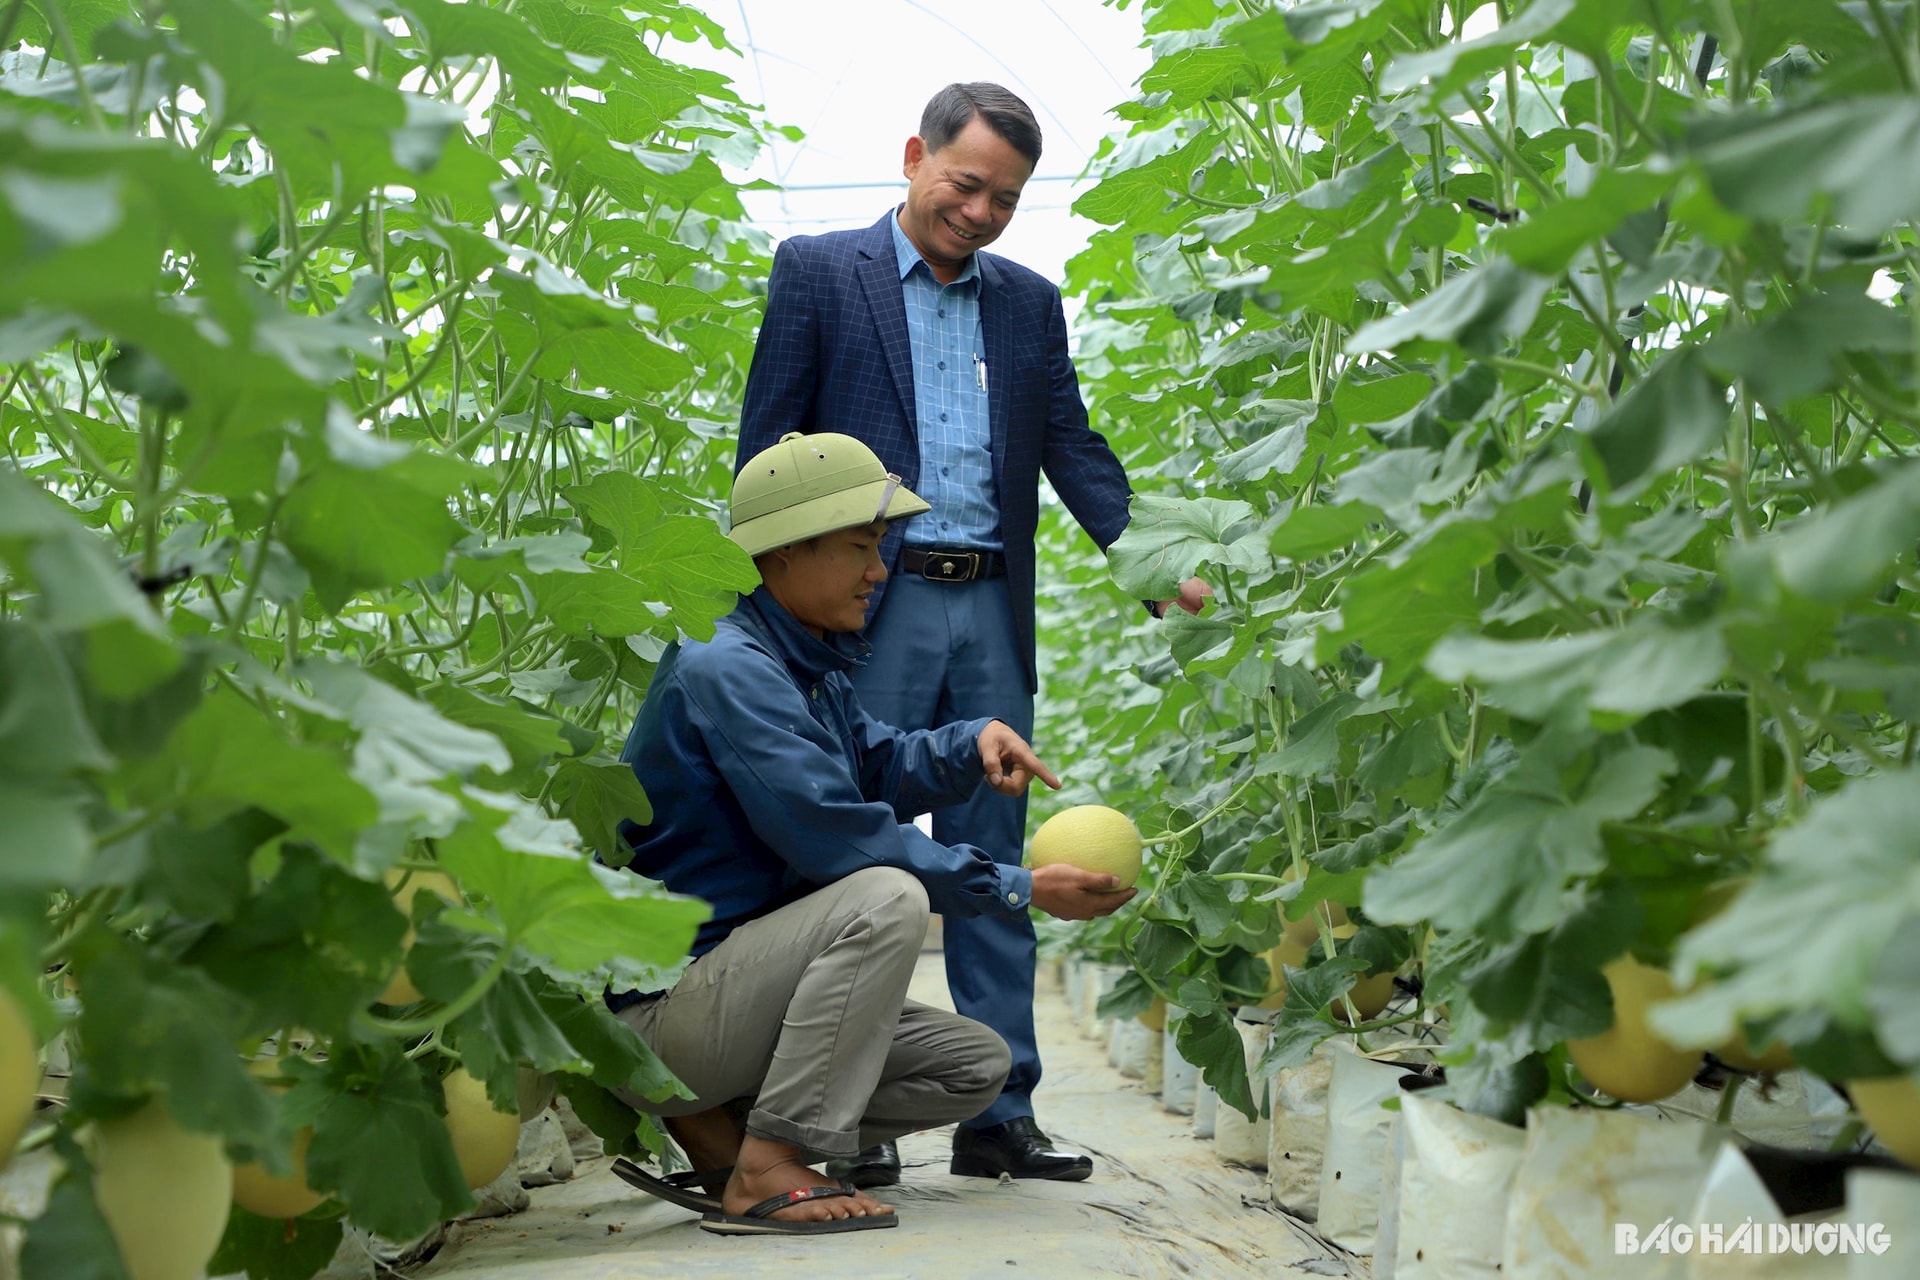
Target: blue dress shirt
[{"x": 950, "y": 384}]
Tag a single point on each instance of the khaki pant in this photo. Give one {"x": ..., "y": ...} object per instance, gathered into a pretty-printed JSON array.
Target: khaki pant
[{"x": 803, "y": 1016}]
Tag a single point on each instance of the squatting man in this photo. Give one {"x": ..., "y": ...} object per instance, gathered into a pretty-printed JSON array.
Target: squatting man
[{"x": 780, "y": 802}]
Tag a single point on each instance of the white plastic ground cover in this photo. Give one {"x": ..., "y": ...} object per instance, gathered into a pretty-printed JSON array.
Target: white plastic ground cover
[
  {"x": 1298, "y": 1138},
  {"x": 1180, "y": 1079},
  {"x": 1892, "y": 1200},
  {"x": 1236, "y": 1139},
  {"x": 1206, "y": 1107},
  {"x": 1356, "y": 1149},
  {"x": 1443, "y": 1208},
  {"x": 1738, "y": 1215},
  {"x": 1587, "y": 1171}
]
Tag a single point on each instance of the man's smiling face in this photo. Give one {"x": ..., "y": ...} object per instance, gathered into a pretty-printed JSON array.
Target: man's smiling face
[{"x": 961, "y": 197}]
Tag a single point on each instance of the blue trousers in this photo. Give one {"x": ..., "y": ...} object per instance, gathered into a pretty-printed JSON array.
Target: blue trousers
[{"x": 945, "y": 651}]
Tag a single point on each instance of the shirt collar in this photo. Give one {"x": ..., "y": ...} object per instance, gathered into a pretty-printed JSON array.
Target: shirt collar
[
  {"x": 906, "y": 257},
  {"x": 805, "y": 654}
]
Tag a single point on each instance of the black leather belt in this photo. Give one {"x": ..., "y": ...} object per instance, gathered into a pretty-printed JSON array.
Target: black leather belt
[{"x": 937, "y": 564}]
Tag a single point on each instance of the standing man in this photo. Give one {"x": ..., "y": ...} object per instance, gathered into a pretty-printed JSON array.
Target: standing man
[{"x": 952, "y": 365}]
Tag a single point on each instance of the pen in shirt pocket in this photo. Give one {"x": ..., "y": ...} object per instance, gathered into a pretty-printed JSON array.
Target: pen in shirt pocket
[{"x": 980, "y": 370}]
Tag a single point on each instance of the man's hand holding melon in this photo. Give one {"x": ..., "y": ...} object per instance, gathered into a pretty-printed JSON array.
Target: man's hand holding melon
[{"x": 1084, "y": 860}]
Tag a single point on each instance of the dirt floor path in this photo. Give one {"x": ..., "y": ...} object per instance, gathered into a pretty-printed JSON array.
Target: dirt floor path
[{"x": 1159, "y": 1205}]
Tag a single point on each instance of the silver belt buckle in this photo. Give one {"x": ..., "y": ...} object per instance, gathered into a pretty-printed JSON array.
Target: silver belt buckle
[{"x": 950, "y": 566}]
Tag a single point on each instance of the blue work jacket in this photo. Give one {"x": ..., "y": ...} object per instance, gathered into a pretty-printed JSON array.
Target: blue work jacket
[{"x": 768, "y": 780}]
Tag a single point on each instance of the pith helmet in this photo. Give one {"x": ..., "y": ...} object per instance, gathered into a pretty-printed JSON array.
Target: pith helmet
[{"x": 807, "y": 485}]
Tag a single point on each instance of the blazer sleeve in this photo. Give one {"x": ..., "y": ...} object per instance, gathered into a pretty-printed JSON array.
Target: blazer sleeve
[
  {"x": 1077, "y": 459},
  {"x": 783, "y": 380}
]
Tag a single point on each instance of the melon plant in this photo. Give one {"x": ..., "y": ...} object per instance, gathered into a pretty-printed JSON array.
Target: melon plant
[
  {"x": 1535, "y": 385},
  {"x": 363, "y": 375}
]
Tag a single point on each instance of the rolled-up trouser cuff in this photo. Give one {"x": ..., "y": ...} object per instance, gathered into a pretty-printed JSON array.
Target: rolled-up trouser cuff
[{"x": 817, "y": 1144}]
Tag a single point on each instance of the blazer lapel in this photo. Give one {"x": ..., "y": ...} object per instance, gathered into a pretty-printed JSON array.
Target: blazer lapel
[
  {"x": 996, "y": 318},
  {"x": 879, "y": 276}
]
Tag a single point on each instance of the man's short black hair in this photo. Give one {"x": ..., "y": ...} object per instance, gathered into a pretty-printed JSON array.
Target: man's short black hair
[{"x": 954, "y": 107}]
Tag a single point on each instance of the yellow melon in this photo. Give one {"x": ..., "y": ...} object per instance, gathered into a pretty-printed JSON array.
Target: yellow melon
[
  {"x": 483, "y": 1139},
  {"x": 164, "y": 1191},
  {"x": 1628, "y": 1061},
  {"x": 19, "y": 1073},
  {"x": 1091, "y": 837},
  {"x": 1891, "y": 1107},
  {"x": 273, "y": 1195},
  {"x": 400, "y": 988}
]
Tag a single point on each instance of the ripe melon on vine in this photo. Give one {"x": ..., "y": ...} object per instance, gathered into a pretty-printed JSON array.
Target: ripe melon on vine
[
  {"x": 1091, "y": 837},
  {"x": 19, "y": 1073},
  {"x": 1628, "y": 1061},
  {"x": 484, "y": 1139},
  {"x": 1891, "y": 1107},
  {"x": 163, "y": 1190},
  {"x": 275, "y": 1195},
  {"x": 400, "y": 988},
  {"x": 1370, "y": 993}
]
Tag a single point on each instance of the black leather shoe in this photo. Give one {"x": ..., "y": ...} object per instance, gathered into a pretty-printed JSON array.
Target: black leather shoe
[
  {"x": 877, "y": 1166},
  {"x": 1017, "y": 1148}
]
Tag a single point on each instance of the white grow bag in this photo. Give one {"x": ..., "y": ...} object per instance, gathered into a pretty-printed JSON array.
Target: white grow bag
[
  {"x": 1587, "y": 1171},
  {"x": 1236, "y": 1139},
  {"x": 1356, "y": 1153},
  {"x": 1448, "y": 1193}
]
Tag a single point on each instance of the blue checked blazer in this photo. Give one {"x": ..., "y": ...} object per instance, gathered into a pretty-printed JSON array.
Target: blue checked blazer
[{"x": 833, "y": 355}]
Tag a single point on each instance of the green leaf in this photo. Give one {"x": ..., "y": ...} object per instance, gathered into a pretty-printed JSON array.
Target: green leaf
[
  {"x": 531, "y": 736},
  {"x": 1675, "y": 413},
  {"x": 1450, "y": 67},
  {"x": 226, "y": 756},
  {"x": 1502, "y": 865},
  {"x": 1846, "y": 551},
  {"x": 1479, "y": 309},
  {"x": 44, "y": 837},
  {"x": 1627, "y": 673},
  {"x": 560, "y": 906},
  {"x": 1794, "y": 353},
  {"x": 389, "y": 721},
  {"x": 371, "y": 514},
  {"x": 1279, "y": 450},
  {"x": 80, "y": 585},
  {"x": 1890, "y": 989},
  {"x": 1310, "y": 532},
  {"x": 1209, "y": 1041},
  {"x": 44, "y": 727},
  {"x": 597, "y": 799},
  {"x": 409, "y": 1180},
  {"x": 276, "y": 1248},
  {"x": 618, "y": 1057},
  {"x": 1853, "y": 862},
  {"x": 1399, "y": 612},
  {"x": 1856, "y": 162},
  {"x": 151, "y": 1025},
  {"x": 1548, "y": 241},
  {"x": 1379, "y": 399},
  {"x": 1548, "y": 985},
  {"x": 270, "y": 953},
  {"x": 1168, "y": 539}
]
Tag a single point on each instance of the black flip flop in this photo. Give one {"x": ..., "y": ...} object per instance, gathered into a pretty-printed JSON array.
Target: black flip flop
[
  {"x": 683, "y": 1189},
  {"x": 758, "y": 1221}
]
